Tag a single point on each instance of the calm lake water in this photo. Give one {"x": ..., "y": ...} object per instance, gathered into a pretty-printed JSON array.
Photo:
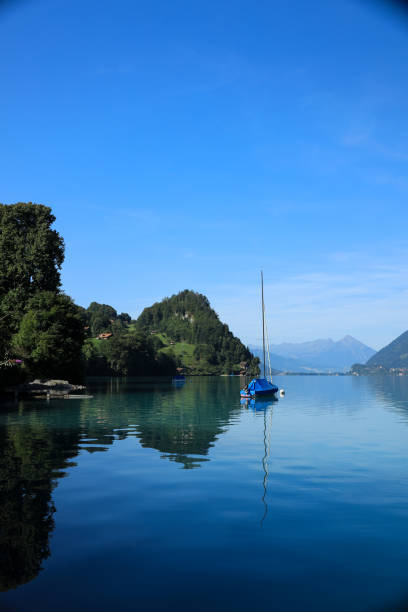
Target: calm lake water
[{"x": 153, "y": 497}]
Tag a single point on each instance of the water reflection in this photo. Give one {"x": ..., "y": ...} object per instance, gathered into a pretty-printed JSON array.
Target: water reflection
[
  {"x": 328, "y": 485},
  {"x": 266, "y": 408},
  {"x": 392, "y": 391},
  {"x": 38, "y": 440},
  {"x": 180, "y": 422},
  {"x": 31, "y": 460}
]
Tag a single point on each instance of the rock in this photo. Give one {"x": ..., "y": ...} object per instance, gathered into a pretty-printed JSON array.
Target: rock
[
  {"x": 50, "y": 383},
  {"x": 58, "y": 387}
]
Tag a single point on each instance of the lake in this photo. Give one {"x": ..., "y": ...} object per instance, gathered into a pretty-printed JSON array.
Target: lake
[{"x": 156, "y": 497}]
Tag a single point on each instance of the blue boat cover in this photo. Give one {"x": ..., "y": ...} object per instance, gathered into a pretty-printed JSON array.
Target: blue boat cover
[{"x": 261, "y": 386}]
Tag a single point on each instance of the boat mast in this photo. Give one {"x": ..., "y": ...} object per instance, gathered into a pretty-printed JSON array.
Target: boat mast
[{"x": 263, "y": 325}]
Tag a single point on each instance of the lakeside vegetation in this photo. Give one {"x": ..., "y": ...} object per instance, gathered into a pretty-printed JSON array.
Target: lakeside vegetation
[
  {"x": 44, "y": 334},
  {"x": 182, "y": 331}
]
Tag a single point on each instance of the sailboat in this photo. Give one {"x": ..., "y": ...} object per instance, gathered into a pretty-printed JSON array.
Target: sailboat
[{"x": 261, "y": 386}]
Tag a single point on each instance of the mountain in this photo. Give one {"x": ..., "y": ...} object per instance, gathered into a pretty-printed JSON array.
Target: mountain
[
  {"x": 279, "y": 363},
  {"x": 190, "y": 329},
  {"x": 324, "y": 355},
  {"x": 394, "y": 355}
]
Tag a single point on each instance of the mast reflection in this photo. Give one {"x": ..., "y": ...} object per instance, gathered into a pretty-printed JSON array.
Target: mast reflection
[{"x": 266, "y": 408}]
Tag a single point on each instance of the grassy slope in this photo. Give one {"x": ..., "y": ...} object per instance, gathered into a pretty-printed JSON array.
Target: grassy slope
[{"x": 181, "y": 349}]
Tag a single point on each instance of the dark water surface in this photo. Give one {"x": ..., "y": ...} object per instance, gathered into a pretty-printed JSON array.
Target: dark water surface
[{"x": 151, "y": 497}]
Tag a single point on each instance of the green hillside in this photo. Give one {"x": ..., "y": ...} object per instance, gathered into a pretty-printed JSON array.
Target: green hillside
[
  {"x": 44, "y": 334},
  {"x": 394, "y": 355},
  {"x": 191, "y": 330}
]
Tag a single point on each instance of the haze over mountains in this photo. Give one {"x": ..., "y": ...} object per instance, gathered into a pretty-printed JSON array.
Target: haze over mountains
[{"x": 324, "y": 355}]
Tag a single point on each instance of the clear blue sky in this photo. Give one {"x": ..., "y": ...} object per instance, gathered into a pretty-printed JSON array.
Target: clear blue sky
[{"x": 188, "y": 144}]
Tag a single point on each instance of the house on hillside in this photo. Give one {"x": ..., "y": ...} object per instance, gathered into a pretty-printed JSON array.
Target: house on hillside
[{"x": 104, "y": 336}]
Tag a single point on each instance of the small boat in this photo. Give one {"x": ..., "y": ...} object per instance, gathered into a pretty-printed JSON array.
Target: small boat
[
  {"x": 261, "y": 386},
  {"x": 179, "y": 378}
]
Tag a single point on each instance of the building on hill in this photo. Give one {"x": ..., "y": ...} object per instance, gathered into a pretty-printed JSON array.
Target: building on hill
[{"x": 104, "y": 336}]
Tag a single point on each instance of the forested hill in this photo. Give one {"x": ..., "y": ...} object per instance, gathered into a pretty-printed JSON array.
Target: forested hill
[
  {"x": 394, "y": 355},
  {"x": 392, "y": 358},
  {"x": 191, "y": 328},
  {"x": 44, "y": 334}
]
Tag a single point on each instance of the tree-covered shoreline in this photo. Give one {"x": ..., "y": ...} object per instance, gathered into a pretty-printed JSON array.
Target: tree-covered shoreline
[{"x": 44, "y": 334}]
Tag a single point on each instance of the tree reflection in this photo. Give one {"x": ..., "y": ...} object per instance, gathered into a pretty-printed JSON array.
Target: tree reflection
[
  {"x": 37, "y": 443},
  {"x": 182, "y": 423},
  {"x": 30, "y": 460}
]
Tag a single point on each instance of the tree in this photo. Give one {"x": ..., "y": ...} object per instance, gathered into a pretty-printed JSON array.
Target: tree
[
  {"x": 101, "y": 317},
  {"x": 125, "y": 317},
  {"x": 31, "y": 255},
  {"x": 51, "y": 336},
  {"x": 132, "y": 355},
  {"x": 4, "y": 336}
]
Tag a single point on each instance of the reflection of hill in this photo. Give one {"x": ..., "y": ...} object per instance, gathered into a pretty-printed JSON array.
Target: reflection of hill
[
  {"x": 393, "y": 390},
  {"x": 37, "y": 443},
  {"x": 179, "y": 422}
]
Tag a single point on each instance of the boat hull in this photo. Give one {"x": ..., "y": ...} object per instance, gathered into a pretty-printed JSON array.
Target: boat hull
[
  {"x": 259, "y": 387},
  {"x": 268, "y": 392}
]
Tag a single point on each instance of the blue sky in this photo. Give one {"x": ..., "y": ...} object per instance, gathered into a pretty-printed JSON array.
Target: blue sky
[{"x": 188, "y": 144}]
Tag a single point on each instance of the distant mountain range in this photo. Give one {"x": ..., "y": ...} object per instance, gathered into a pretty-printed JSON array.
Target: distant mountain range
[{"x": 324, "y": 355}]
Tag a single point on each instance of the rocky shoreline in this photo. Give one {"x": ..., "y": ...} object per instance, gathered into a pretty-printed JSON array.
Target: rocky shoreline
[{"x": 46, "y": 389}]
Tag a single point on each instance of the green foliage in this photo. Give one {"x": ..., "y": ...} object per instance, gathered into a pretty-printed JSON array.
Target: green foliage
[
  {"x": 100, "y": 318},
  {"x": 47, "y": 330},
  {"x": 130, "y": 354},
  {"x": 156, "y": 342},
  {"x": 103, "y": 318},
  {"x": 188, "y": 318},
  {"x": 124, "y": 317},
  {"x": 4, "y": 336},
  {"x": 51, "y": 336},
  {"x": 31, "y": 255}
]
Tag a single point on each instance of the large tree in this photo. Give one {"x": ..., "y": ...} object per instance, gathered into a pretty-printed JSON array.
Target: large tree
[
  {"x": 51, "y": 336},
  {"x": 31, "y": 255}
]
